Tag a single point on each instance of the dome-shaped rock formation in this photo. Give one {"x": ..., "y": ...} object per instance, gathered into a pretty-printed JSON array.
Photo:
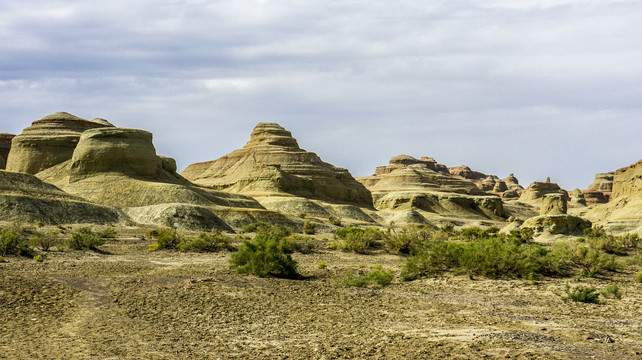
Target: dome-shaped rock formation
[
  {"x": 465, "y": 172},
  {"x": 47, "y": 142},
  {"x": 557, "y": 224},
  {"x": 577, "y": 198},
  {"x": 538, "y": 189},
  {"x": 272, "y": 163},
  {"x": 553, "y": 204}
]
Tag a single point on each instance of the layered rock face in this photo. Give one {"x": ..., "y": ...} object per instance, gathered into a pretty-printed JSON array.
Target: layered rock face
[
  {"x": 47, "y": 142},
  {"x": 558, "y": 224},
  {"x": 466, "y": 172},
  {"x": 538, "y": 189},
  {"x": 127, "y": 151},
  {"x": 273, "y": 164},
  {"x": 577, "y": 198},
  {"x": 5, "y": 146},
  {"x": 627, "y": 182},
  {"x": 600, "y": 190},
  {"x": 25, "y": 198},
  {"x": 553, "y": 204},
  {"x": 413, "y": 190}
]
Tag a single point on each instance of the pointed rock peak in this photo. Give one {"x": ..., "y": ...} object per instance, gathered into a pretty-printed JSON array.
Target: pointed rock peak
[
  {"x": 61, "y": 115},
  {"x": 272, "y": 134},
  {"x": 102, "y": 121}
]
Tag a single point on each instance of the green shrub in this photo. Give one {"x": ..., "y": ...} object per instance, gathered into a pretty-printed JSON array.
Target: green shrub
[
  {"x": 359, "y": 240},
  {"x": 206, "y": 242},
  {"x": 2, "y": 259},
  {"x": 407, "y": 240},
  {"x": 302, "y": 244},
  {"x": 309, "y": 228},
  {"x": 612, "y": 291},
  {"x": 108, "y": 233},
  {"x": 448, "y": 228},
  {"x": 302, "y": 215},
  {"x": 38, "y": 258},
  {"x": 13, "y": 241},
  {"x": 638, "y": 277},
  {"x": 268, "y": 254},
  {"x": 322, "y": 265},
  {"x": 84, "y": 238},
  {"x": 253, "y": 227},
  {"x": 495, "y": 257},
  {"x": 378, "y": 276},
  {"x": 166, "y": 238},
  {"x": 587, "y": 255},
  {"x": 335, "y": 221},
  {"x": 581, "y": 294},
  {"x": 45, "y": 239}
]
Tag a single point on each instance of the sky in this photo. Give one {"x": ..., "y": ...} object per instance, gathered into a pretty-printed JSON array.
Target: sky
[{"x": 536, "y": 88}]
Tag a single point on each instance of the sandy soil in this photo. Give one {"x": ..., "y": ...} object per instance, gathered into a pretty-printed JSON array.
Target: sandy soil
[{"x": 126, "y": 303}]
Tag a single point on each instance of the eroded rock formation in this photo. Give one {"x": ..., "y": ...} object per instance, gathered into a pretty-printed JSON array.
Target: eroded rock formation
[
  {"x": 553, "y": 204},
  {"x": 536, "y": 191},
  {"x": 273, "y": 164},
  {"x": 5, "y": 146},
  {"x": 47, "y": 142}
]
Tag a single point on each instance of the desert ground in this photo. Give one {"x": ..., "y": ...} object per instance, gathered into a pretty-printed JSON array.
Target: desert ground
[{"x": 124, "y": 302}]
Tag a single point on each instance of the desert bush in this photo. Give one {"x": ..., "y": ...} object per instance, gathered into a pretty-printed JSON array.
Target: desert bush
[
  {"x": 38, "y": 258},
  {"x": 407, "y": 240},
  {"x": 359, "y": 240},
  {"x": 581, "y": 294},
  {"x": 166, "y": 238},
  {"x": 448, "y": 228},
  {"x": 107, "y": 233},
  {"x": 322, "y": 265},
  {"x": 302, "y": 215},
  {"x": 83, "y": 238},
  {"x": 586, "y": 255},
  {"x": 335, "y": 221},
  {"x": 2, "y": 259},
  {"x": 268, "y": 254},
  {"x": 45, "y": 239},
  {"x": 638, "y": 277},
  {"x": 612, "y": 291},
  {"x": 250, "y": 228},
  {"x": 378, "y": 276},
  {"x": 497, "y": 256},
  {"x": 13, "y": 241},
  {"x": 205, "y": 242},
  {"x": 301, "y": 244},
  {"x": 309, "y": 228},
  {"x": 612, "y": 244}
]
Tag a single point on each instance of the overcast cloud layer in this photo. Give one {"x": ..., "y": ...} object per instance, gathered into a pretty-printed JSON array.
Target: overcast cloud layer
[{"x": 537, "y": 88}]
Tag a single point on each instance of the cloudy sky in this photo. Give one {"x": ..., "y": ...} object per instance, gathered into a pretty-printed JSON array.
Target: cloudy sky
[{"x": 537, "y": 88}]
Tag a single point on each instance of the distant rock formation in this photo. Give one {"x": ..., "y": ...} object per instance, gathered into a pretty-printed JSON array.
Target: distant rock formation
[
  {"x": 273, "y": 164},
  {"x": 465, "y": 172},
  {"x": 410, "y": 190},
  {"x": 47, "y": 142},
  {"x": 600, "y": 190},
  {"x": 623, "y": 212},
  {"x": 577, "y": 198},
  {"x": 553, "y": 204},
  {"x": 25, "y": 198},
  {"x": 512, "y": 183},
  {"x": 538, "y": 189},
  {"x": 558, "y": 224}
]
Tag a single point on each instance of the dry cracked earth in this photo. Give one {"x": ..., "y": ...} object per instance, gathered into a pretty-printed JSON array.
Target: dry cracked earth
[{"x": 126, "y": 303}]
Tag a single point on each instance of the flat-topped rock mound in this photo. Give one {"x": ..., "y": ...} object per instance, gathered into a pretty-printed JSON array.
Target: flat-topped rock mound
[
  {"x": 25, "y": 198},
  {"x": 47, "y": 142},
  {"x": 405, "y": 173},
  {"x": 273, "y": 164},
  {"x": 623, "y": 212},
  {"x": 536, "y": 191}
]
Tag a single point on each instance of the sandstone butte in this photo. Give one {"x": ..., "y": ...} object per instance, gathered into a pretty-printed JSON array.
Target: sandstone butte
[
  {"x": 273, "y": 164},
  {"x": 5, "y": 146}
]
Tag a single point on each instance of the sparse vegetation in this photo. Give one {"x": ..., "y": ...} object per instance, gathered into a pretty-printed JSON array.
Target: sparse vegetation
[
  {"x": 38, "y": 258},
  {"x": 302, "y": 244},
  {"x": 359, "y": 240},
  {"x": 45, "y": 240},
  {"x": 309, "y": 228},
  {"x": 13, "y": 241},
  {"x": 638, "y": 277},
  {"x": 612, "y": 291},
  {"x": 268, "y": 254},
  {"x": 205, "y": 242},
  {"x": 322, "y": 265},
  {"x": 378, "y": 276},
  {"x": 335, "y": 221},
  {"x": 583, "y": 294},
  {"x": 84, "y": 238}
]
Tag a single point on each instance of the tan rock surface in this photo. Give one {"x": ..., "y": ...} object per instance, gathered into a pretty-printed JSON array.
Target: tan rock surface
[
  {"x": 558, "y": 224},
  {"x": 25, "y": 198},
  {"x": 603, "y": 182},
  {"x": 538, "y": 189},
  {"x": 553, "y": 204},
  {"x": 577, "y": 198},
  {"x": 47, "y": 142}
]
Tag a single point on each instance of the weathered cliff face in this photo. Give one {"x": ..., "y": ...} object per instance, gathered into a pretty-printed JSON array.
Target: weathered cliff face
[
  {"x": 273, "y": 164},
  {"x": 5, "y": 146},
  {"x": 47, "y": 142},
  {"x": 603, "y": 182},
  {"x": 627, "y": 182}
]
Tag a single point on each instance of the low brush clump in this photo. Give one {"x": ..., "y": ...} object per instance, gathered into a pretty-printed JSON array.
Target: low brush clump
[
  {"x": 169, "y": 238},
  {"x": 268, "y": 254},
  {"x": 85, "y": 238},
  {"x": 14, "y": 240},
  {"x": 358, "y": 240},
  {"x": 378, "y": 276}
]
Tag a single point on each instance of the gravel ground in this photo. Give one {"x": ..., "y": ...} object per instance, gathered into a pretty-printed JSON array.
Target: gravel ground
[{"x": 126, "y": 303}]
